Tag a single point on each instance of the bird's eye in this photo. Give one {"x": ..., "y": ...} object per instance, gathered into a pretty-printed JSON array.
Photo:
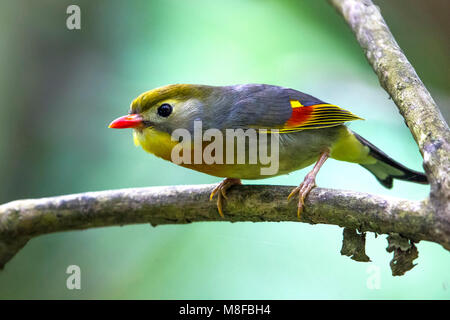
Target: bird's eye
[{"x": 165, "y": 110}]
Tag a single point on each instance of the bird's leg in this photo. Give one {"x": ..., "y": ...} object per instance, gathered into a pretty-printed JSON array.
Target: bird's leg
[
  {"x": 308, "y": 183},
  {"x": 221, "y": 192}
]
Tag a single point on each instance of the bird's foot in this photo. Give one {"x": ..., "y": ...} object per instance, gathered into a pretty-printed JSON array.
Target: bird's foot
[
  {"x": 303, "y": 190},
  {"x": 308, "y": 183},
  {"x": 221, "y": 189}
]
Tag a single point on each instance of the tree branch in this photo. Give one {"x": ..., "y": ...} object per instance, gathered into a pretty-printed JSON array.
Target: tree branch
[
  {"x": 413, "y": 100},
  {"x": 416, "y": 220},
  {"x": 24, "y": 219}
]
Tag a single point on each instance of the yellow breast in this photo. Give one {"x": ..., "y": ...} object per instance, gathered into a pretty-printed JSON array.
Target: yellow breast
[
  {"x": 156, "y": 142},
  {"x": 160, "y": 144}
]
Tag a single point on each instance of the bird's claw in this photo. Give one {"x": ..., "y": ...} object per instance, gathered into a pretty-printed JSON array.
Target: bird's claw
[
  {"x": 220, "y": 190},
  {"x": 303, "y": 190}
]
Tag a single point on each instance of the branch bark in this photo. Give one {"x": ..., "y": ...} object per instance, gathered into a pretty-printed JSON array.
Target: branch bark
[
  {"x": 24, "y": 219},
  {"x": 416, "y": 220},
  {"x": 400, "y": 80}
]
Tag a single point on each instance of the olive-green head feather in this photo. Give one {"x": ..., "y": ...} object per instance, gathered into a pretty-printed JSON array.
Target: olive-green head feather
[{"x": 171, "y": 107}]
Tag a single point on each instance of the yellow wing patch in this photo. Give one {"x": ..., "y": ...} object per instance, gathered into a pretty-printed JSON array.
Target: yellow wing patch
[{"x": 296, "y": 104}]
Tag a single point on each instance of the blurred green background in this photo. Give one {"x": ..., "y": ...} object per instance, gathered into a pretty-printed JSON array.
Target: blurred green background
[{"x": 60, "y": 89}]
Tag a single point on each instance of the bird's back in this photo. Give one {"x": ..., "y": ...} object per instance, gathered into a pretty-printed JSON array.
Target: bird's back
[{"x": 254, "y": 106}]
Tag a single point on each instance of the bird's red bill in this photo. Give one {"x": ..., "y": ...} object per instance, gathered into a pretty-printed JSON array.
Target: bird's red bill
[{"x": 128, "y": 121}]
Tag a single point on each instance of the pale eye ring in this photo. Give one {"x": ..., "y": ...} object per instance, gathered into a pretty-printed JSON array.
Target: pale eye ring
[{"x": 165, "y": 110}]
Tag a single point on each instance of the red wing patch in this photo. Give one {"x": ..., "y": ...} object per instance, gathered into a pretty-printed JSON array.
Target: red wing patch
[{"x": 316, "y": 116}]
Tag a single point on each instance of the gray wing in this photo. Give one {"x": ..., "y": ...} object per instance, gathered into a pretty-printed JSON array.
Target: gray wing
[{"x": 258, "y": 106}]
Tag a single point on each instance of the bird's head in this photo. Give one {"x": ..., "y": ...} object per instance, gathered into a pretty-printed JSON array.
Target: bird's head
[{"x": 165, "y": 109}]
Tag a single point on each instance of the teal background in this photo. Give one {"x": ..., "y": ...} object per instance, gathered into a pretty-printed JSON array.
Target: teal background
[{"x": 59, "y": 89}]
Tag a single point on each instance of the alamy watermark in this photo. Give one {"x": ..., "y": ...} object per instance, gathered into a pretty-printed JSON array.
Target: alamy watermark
[
  {"x": 234, "y": 146},
  {"x": 373, "y": 281},
  {"x": 73, "y": 21},
  {"x": 74, "y": 280}
]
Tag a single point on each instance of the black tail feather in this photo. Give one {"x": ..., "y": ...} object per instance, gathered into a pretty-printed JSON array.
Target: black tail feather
[{"x": 386, "y": 169}]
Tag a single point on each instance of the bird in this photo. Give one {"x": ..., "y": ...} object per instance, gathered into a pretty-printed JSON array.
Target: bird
[{"x": 309, "y": 131}]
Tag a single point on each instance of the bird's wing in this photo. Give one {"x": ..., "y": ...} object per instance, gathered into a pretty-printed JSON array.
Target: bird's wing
[
  {"x": 288, "y": 110},
  {"x": 316, "y": 116}
]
